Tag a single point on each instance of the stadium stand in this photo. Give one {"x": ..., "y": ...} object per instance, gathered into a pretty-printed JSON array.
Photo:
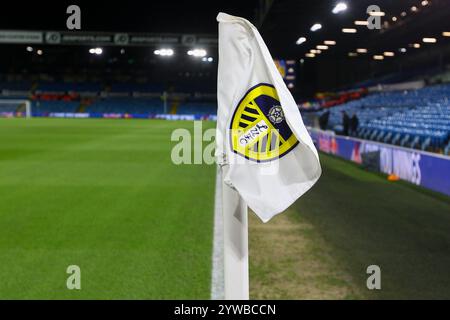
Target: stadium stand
[
  {"x": 428, "y": 74},
  {"x": 197, "y": 108},
  {"x": 15, "y": 89},
  {"x": 7, "y": 107},
  {"x": 416, "y": 119},
  {"x": 45, "y": 107},
  {"x": 117, "y": 97},
  {"x": 136, "y": 87},
  {"x": 127, "y": 105},
  {"x": 68, "y": 87},
  {"x": 15, "y": 85}
]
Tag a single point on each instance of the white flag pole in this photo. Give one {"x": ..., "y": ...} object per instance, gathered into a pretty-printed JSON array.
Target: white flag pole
[{"x": 235, "y": 222}]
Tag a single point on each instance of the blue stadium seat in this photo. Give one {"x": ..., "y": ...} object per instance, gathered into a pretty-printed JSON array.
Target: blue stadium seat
[
  {"x": 137, "y": 87},
  {"x": 415, "y": 118},
  {"x": 69, "y": 87},
  {"x": 45, "y": 107},
  {"x": 142, "y": 106},
  {"x": 197, "y": 108}
]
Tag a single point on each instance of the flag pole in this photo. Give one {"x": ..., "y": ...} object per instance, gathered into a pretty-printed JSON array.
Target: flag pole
[{"x": 235, "y": 222}]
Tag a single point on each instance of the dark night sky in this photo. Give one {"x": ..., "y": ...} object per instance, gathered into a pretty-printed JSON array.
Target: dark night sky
[
  {"x": 131, "y": 15},
  {"x": 285, "y": 22}
]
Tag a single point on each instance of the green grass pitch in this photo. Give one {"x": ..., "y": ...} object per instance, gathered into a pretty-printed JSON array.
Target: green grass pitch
[
  {"x": 321, "y": 246},
  {"x": 366, "y": 220},
  {"x": 103, "y": 195}
]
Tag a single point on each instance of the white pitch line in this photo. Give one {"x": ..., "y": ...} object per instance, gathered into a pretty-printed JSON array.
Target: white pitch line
[{"x": 217, "y": 278}]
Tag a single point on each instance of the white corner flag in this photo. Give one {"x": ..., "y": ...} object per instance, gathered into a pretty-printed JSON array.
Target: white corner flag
[
  {"x": 269, "y": 156},
  {"x": 265, "y": 153}
]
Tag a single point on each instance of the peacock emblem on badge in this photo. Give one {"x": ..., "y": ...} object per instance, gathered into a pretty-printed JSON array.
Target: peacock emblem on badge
[{"x": 259, "y": 131}]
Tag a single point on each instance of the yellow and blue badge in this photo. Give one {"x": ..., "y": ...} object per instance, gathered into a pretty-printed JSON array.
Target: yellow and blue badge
[{"x": 259, "y": 131}]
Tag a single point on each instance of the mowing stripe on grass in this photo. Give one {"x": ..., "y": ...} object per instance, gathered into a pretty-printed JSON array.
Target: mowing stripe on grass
[{"x": 106, "y": 196}]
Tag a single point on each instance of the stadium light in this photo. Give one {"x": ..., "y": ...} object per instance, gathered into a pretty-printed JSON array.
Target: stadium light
[
  {"x": 39, "y": 52},
  {"x": 315, "y": 27},
  {"x": 322, "y": 47},
  {"x": 97, "y": 51},
  {"x": 402, "y": 50},
  {"x": 414, "y": 9},
  {"x": 349, "y": 30},
  {"x": 361, "y": 23},
  {"x": 377, "y": 13},
  {"x": 416, "y": 45},
  {"x": 339, "y": 7},
  {"x": 394, "y": 18},
  {"x": 361, "y": 50},
  {"x": 403, "y": 14},
  {"x": 389, "y": 54},
  {"x": 209, "y": 59},
  {"x": 378, "y": 57},
  {"x": 164, "y": 52},
  {"x": 446, "y": 33},
  {"x": 310, "y": 55},
  {"x": 198, "y": 53},
  {"x": 424, "y": 3},
  {"x": 352, "y": 54},
  {"x": 313, "y": 51},
  {"x": 300, "y": 40},
  {"x": 30, "y": 49},
  {"x": 329, "y": 42},
  {"x": 429, "y": 40}
]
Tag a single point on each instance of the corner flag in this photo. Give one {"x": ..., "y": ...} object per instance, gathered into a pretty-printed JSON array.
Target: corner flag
[{"x": 270, "y": 157}]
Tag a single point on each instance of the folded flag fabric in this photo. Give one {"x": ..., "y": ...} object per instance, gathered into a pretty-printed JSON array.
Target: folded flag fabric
[{"x": 260, "y": 132}]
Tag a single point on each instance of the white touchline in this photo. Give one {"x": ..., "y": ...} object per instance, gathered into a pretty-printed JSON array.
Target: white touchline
[{"x": 217, "y": 277}]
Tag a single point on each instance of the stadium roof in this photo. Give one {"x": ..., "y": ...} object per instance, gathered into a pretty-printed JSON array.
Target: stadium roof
[
  {"x": 287, "y": 20},
  {"x": 281, "y": 22},
  {"x": 124, "y": 16}
]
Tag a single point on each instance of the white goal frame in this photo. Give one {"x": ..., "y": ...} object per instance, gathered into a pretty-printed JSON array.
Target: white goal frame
[{"x": 19, "y": 102}]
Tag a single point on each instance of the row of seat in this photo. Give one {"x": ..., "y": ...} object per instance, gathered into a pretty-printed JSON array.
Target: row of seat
[
  {"x": 126, "y": 105},
  {"x": 42, "y": 106},
  {"x": 416, "y": 118},
  {"x": 65, "y": 87},
  {"x": 197, "y": 108}
]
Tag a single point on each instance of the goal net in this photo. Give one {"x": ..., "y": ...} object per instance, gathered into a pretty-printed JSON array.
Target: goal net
[{"x": 15, "y": 108}]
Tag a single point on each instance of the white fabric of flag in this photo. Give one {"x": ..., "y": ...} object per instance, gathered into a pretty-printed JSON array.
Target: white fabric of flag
[{"x": 260, "y": 133}]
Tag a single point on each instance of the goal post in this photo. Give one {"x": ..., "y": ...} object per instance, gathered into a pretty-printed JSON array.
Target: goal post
[{"x": 15, "y": 108}]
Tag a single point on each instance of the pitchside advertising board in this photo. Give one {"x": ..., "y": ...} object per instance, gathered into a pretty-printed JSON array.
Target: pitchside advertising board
[{"x": 425, "y": 169}]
